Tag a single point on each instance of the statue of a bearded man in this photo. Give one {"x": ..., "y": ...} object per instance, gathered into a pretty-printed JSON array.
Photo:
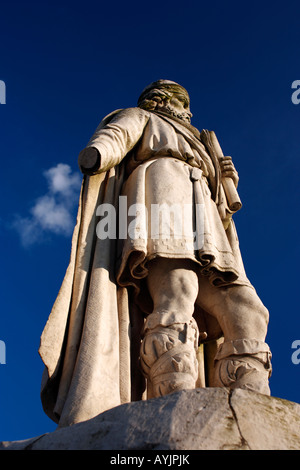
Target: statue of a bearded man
[{"x": 140, "y": 298}]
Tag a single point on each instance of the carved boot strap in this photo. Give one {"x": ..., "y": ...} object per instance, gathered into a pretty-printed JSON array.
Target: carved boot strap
[
  {"x": 168, "y": 357},
  {"x": 243, "y": 363},
  {"x": 245, "y": 346},
  {"x": 173, "y": 361}
]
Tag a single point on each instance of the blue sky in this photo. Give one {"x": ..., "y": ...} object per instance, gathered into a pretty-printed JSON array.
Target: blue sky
[{"x": 68, "y": 64}]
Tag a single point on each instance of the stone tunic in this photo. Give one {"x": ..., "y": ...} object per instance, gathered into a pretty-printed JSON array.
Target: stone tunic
[{"x": 169, "y": 175}]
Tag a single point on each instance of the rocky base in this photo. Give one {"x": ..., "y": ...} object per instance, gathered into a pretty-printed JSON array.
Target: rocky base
[{"x": 201, "y": 419}]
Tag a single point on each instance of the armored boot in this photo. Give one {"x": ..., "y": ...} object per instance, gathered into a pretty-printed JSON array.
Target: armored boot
[
  {"x": 168, "y": 354},
  {"x": 243, "y": 363}
]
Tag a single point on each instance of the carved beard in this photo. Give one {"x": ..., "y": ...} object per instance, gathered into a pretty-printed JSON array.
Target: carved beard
[
  {"x": 160, "y": 105},
  {"x": 184, "y": 116}
]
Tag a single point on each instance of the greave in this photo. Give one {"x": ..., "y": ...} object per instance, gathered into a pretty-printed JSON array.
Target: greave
[
  {"x": 168, "y": 355},
  {"x": 243, "y": 363}
]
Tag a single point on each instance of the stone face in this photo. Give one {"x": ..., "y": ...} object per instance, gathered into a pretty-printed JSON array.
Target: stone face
[{"x": 200, "y": 419}]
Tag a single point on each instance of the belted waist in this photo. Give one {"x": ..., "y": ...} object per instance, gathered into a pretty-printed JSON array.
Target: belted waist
[{"x": 132, "y": 164}]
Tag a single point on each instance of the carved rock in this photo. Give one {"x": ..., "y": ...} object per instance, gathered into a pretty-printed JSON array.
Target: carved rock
[{"x": 200, "y": 419}]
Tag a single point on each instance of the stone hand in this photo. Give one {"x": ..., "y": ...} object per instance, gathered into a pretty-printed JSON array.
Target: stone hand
[
  {"x": 228, "y": 170},
  {"x": 89, "y": 160}
]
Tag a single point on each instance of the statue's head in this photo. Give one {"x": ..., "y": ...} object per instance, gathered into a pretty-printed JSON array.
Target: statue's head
[{"x": 166, "y": 96}]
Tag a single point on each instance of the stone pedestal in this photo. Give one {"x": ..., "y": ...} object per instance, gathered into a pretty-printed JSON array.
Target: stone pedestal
[{"x": 201, "y": 419}]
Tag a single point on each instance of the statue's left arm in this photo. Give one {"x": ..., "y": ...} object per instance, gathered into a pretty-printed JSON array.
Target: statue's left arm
[{"x": 111, "y": 142}]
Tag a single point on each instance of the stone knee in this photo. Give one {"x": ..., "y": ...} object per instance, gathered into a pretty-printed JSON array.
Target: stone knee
[
  {"x": 242, "y": 314},
  {"x": 173, "y": 285},
  {"x": 168, "y": 354}
]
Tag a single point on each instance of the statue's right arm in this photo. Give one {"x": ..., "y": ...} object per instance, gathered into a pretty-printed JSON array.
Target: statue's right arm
[
  {"x": 89, "y": 160},
  {"x": 111, "y": 143}
]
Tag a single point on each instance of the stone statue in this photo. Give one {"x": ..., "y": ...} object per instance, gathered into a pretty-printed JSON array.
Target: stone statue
[{"x": 155, "y": 298}]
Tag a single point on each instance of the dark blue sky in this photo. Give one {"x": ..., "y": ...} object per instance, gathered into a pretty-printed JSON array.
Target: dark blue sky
[{"x": 68, "y": 64}]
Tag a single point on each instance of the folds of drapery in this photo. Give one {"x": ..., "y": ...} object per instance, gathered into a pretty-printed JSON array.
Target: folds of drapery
[{"x": 87, "y": 363}]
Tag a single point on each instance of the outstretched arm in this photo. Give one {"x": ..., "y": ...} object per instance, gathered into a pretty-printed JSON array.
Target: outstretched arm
[{"x": 111, "y": 143}]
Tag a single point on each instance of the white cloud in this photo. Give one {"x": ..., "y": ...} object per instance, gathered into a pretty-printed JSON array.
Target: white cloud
[
  {"x": 52, "y": 215},
  {"x": 52, "y": 212},
  {"x": 62, "y": 181}
]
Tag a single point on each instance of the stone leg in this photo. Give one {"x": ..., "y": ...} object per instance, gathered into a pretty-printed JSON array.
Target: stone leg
[
  {"x": 170, "y": 336},
  {"x": 243, "y": 360}
]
